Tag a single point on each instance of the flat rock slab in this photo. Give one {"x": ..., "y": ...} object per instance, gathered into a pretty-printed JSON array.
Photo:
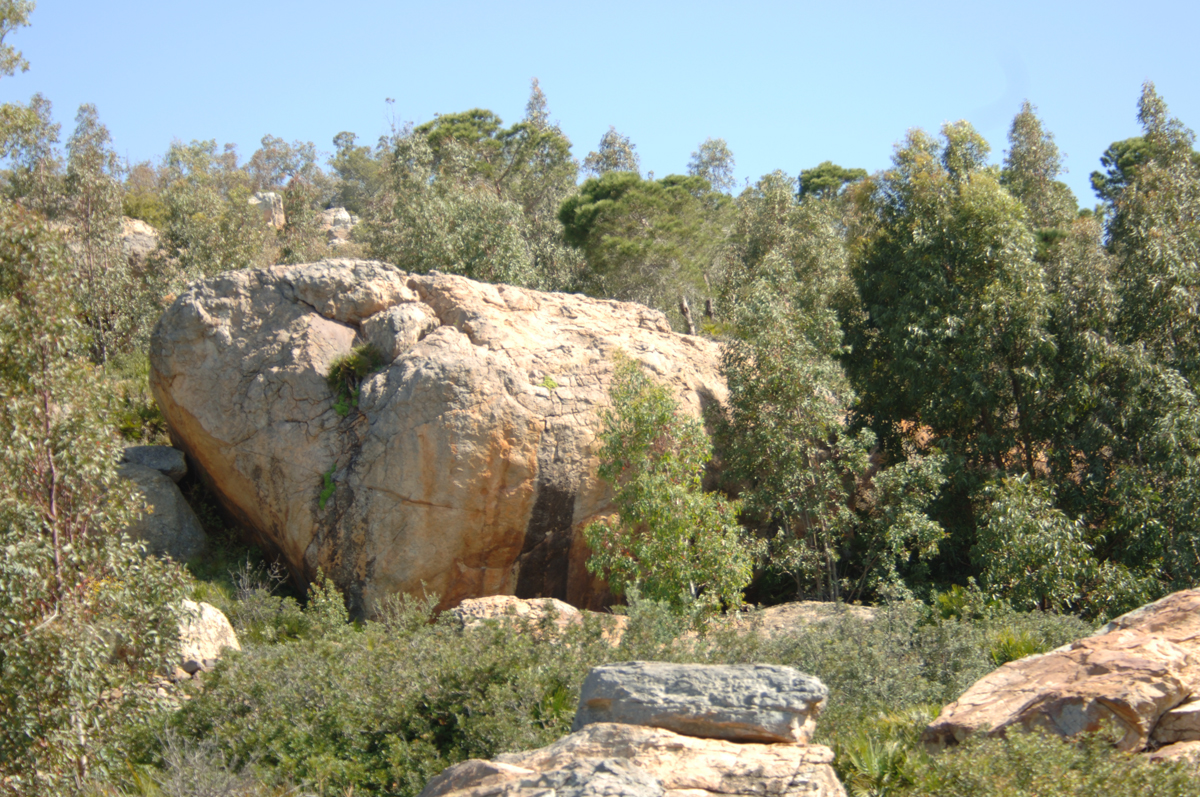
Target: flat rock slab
[
  {"x": 166, "y": 460},
  {"x": 1129, "y": 675},
  {"x": 612, "y": 759},
  {"x": 742, "y": 703}
]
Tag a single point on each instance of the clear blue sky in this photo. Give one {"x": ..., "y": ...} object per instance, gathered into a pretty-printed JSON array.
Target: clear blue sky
[{"x": 786, "y": 84}]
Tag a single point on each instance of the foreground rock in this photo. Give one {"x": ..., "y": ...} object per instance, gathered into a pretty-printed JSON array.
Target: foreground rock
[
  {"x": 607, "y": 758},
  {"x": 466, "y": 468},
  {"x": 170, "y": 528},
  {"x": 1130, "y": 675},
  {"x": 741, "y": 703},
  {"x": 613, "y": 759},
  {"x": 204, "y": 635}
]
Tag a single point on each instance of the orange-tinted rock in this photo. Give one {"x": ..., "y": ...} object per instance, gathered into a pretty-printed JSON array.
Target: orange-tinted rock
[
  {"x": 1128, "y": 675},
  {"x": 466, "y": 467}
]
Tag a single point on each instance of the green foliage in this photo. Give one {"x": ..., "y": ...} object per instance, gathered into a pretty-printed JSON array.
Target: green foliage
[
  {"x": 616, "y": 153},
  {"x": 357, "y": 172},
  {"x": 1042, "y": 763},
  {"x": 14, "y": 14},
  {"x": 117, "y": 305},
  {"x": 648, "y": 241},
  {"x": 464, "y": 195},
  {"x": 142, "y": 198},
  {"x": 327, "y": 486},
  {"x": 81, "y": 611},
  {"x": 827, "y": 180},
  {"x": 672, "y": 540},
  {"x": 1031, "y": 168},
  {"x": 713, "y": 162},
  {"x": 347, "y": 372},
  {"x": 209, "y": 225},
  {"x": 29, "y": 143},
  {"x": 784, "y": 437}
]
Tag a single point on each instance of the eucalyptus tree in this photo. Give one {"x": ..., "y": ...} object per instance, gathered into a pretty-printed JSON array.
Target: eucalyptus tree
[
  {"x": 840, "y": 526},
  {"x": 1032, "y": 165},
  {"x": 714, "y": 162},
  {"x": 827, "y": 180},
  {"x": 1154, "y": 234},
  {"x": 657, "y": 242},
  {"x": 85, "y": 618},
  {"x": 616, "y": 153},
  {"x": 115, "y": 304},
  {"x": 467, "y": 195},
  {"x": 209, "y": 227}
]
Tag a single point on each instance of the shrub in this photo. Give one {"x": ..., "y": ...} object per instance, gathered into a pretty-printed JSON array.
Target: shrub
[
  {"x": 347, "y": 373},
  {"x": 671, "y": 539}
]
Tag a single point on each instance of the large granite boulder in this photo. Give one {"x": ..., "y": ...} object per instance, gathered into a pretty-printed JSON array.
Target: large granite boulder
[
  {"x": 741, "y": 703},
  {"x": 138, "y": 240},
  {"x": 1134, "y": 673},
  {"x": 465, "y": 467}
]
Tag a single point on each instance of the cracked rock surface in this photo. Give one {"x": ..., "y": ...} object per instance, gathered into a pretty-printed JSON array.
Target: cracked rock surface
[{"x": 465, "y": 468}]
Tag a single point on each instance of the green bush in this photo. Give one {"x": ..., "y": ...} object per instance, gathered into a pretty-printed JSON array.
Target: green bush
[
  {"x": 1046, "y": 765},
  {"x": 347, "y": 373},
  {"x": 671, "y": 540}
]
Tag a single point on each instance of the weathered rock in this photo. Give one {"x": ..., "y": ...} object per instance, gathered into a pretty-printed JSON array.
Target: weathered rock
[
  {"x": 1180, "y": 724},
  {"x": 204, "y": 634},
  {"x": 138, "y": 240},
  {"x": 461, "y": 471},
  {"x": 740, "y": 702},
  {"x": 680, "y": 765},
  {"x": 788, "y": 618},
  {"x": 270, "y": 204},
  {"x": 1180, "y": 751},
  {"x": 171, "y": 527},
  {"x": 337, "y": 224},
  {"x": 168, "y": 461},
  {"x": 1130, "y": 674},
  {"x": 473, "y": 612}
]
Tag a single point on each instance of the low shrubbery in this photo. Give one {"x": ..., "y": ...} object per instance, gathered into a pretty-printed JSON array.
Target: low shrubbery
[{"x": 381, "y": 706}]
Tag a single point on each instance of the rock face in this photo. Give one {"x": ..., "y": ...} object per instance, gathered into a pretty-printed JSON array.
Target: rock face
[
  {"x": 605, "y": 758},
  {"x": 171, "y": 527},
  {"x": 204, "y": 633},
  {"x": 741, "y": 703},
  {"x": 1130, "y": 674},
  {"x": 466, "y": 467}
]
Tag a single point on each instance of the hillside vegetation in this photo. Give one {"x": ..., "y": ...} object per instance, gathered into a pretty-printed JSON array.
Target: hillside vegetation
[{"x": 953, "y": 394}]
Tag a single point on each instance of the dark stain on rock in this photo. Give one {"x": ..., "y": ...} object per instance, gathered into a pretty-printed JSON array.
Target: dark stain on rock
[{"x": 545, "y": 556}]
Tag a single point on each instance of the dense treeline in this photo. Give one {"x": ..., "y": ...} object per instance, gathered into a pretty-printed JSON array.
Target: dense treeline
[
  {"x": 945, "y": 378},
  {"x": 942, "y": 372}
]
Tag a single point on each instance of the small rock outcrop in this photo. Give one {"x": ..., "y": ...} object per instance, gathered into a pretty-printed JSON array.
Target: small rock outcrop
[
  {"x": 170, "y": 528},
  {"x": 464, "y": 467},
  {"x": 609, "y": 758},
  {"x": 204, "y": 634},
  {"x": 741, "y": 703},
  {"x": 1136, "y": 674},
  {"x": 337, "y": 224},
  {"x": 138, "y": 240},
  {"x": 270, "y": 204}
]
